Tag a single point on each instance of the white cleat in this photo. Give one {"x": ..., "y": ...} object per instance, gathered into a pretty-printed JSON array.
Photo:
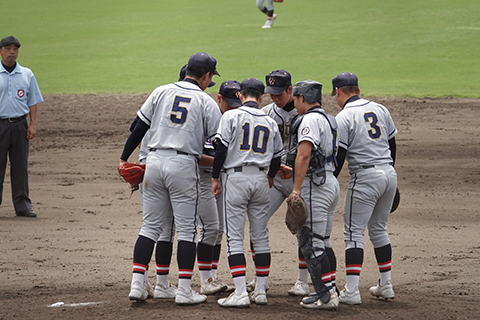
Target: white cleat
[
  {"x": 258, "y": 297},
  {"x": 184, "y": 299},
  {"x": 269, "y": 22},
  {"x": 235, "y": 301},
  {"x": 299, "y": 289},
  {"x": 210, "y": 286},
  {"x": 348, "y": 297},
  {"x": 330, "y": 305},
  {"x": 162, "y": 293},
  {"x": 137, "y": 292},
  {"x": 385, "y": 291}
]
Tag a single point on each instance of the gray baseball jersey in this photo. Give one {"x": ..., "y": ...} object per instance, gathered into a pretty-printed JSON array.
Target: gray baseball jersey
[
  {"x": 252, "y": 139},
  {"x": 181, "y": 117},
  {"x": 321, "y": 200},
  {"x": 364, "y": 128},
  {"x": 251, "y": 136}
]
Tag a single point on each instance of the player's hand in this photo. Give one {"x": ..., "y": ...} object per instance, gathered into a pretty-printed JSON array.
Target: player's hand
[
  {"x": 285, "y": 172},
  {"x": 122, "y": 162},
  {"x": 216, "y": 187},
  {"x": 270, "y": 181}
]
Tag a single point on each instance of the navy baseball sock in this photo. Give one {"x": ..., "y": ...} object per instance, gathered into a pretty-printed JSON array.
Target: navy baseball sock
[
  {"x": 384, "y": 261},
  {"x": 142, "y": 253},
  {"x": 333, "y": 264},
  {"x": 204, "y": 260}
]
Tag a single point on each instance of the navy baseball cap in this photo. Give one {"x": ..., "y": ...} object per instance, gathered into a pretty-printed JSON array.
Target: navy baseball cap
[
  {"x": 344, "y": 79},
  {"x": 229, "y": 91},
  {"x": 9, "y": 40},
  {"x": 183, "y": 73},
  {"x": 204, "y": 60},
  {"x": 253, "y": 83},
  {"x": 278, "y": 81}
]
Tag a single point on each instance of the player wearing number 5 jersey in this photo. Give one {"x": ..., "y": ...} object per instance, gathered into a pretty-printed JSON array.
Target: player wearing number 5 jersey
[
  {"x": 366, "y": 137},
  {"x": 248, "y": 142},
  {"x": 180, "y": 117}
]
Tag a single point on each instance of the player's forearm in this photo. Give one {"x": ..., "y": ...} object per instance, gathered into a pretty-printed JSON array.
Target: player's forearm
[
  {"x": 219, "y": 160},
  {"x": 274, "y": 167},
  {"x": 340, "y": 160},
  {"x": 134, "y": 139},
  {"x": 301, "y": 166},
  {"x": 393, "y": 149},
  {"x": 205, "y": 161},
  {"x": 302, "y": 161}
]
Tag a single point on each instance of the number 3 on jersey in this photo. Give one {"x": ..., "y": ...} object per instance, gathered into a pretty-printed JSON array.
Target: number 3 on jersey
[
  {"x": 260, "y": 138},
  {"x": 179, "y": 113},
  {"x": 375, "y": 131}
]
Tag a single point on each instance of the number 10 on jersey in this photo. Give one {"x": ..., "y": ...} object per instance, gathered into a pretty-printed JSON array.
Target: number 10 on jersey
[{"x": 260, "y": 138}]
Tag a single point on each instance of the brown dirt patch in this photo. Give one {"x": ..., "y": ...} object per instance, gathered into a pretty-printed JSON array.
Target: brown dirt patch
[{"x": 79, "y": 249}]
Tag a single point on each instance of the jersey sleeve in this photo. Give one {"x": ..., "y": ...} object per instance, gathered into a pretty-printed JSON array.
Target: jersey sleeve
[
  {"x": 212, "y": 118},
  {"x": 277, "y": 143},
  {"x": 224, "y": 132},
  {"x": 146, "y": 111},
  {"x": 306, "y": 130},
  {"x": 342, "y": 131},
  {"x": 391, "y": 129}
]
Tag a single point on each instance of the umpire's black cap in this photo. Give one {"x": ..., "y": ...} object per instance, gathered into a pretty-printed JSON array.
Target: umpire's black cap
[
  {"x": 253, "y": 83},
  {"x": 9, "y": 40},
  {"x": 344, "y": 79}
]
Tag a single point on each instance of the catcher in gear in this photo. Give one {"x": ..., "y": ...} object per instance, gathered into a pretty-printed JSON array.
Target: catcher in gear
[{"x": 313, "y": 167}]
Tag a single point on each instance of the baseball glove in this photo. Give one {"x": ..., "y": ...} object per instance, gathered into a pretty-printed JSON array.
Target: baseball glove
[
  {"x": 133, "y": 174},
  {"x": 296, "y": 213},
  {"x": 396, "y": 201}
]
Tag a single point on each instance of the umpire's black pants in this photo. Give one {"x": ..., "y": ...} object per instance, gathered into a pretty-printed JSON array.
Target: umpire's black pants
[{"x": 13, "y": 141}]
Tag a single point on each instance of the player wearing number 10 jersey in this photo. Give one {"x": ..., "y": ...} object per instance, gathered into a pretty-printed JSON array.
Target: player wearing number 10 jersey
[{"x": 248, "y": 141}]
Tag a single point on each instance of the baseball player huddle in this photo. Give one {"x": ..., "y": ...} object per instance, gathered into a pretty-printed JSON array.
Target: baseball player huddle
[{"x": 210, "y": 165}]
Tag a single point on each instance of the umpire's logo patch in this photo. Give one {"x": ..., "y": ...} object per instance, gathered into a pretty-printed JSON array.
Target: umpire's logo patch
[
  {"x": 20, "y": 93},
  {"x": 305, "y": 131}
]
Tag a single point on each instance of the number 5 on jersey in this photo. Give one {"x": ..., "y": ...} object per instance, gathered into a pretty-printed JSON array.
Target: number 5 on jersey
[
  {"x": 260, "y": 138},
  {"x": 179, "y": 113}
]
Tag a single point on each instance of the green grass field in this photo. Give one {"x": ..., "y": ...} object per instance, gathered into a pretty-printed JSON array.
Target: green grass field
[{"x": 397, "y": 48}]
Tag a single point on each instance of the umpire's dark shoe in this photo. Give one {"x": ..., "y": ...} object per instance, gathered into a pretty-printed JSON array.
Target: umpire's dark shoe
[{"x": 27, "y": 213}]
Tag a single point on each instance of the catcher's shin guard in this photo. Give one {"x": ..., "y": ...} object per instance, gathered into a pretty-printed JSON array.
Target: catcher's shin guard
[{"x": 314, "y": 262}]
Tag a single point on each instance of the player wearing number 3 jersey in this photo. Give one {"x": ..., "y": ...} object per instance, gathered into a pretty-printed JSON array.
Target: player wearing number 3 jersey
[
  {"x": 248, "y": 141},
  {"x": 366, "y": 138},
  {"x": 181, "y": 116}
]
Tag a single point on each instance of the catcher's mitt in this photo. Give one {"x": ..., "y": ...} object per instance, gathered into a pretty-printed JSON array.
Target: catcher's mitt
[
  {"x": 133, "y": 174},
  {"x": 296, "y": 213},
  {"x": 396, "y": 201}
]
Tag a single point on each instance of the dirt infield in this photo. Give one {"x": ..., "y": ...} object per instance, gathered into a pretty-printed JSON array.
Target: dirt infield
[{"x": 79, "y": 249}]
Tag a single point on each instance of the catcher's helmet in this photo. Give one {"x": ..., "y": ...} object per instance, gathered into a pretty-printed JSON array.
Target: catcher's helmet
[{"x": 309, "y": 89}]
